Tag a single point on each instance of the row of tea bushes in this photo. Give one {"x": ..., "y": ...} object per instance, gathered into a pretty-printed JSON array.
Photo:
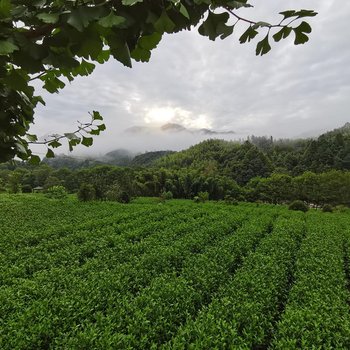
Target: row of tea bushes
[
  {"x": 317, "y": 312},
  {"x": 243, "y": 315}
]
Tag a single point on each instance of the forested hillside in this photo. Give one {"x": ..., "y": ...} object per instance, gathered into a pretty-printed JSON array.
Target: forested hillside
[
  {"x": 275, "y": 171},
  {"x": 260, "y": 156}
]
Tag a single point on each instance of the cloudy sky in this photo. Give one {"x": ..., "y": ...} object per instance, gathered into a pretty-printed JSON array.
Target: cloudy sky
[{"x": 292, "y": 91}]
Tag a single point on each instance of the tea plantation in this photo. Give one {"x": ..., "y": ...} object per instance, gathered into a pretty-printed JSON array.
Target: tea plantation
[{"x": 173, "y": 275}]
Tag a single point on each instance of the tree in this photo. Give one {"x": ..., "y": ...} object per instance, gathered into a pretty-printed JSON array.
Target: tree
[
  {"x": 52, "y": 40},
  {"x": 86, "y": 192}
]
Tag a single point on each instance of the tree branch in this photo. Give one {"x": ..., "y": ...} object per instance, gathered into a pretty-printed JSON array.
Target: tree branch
[
  {"x": 239, "y": 18},
  {"x": 56, "y": 138}
]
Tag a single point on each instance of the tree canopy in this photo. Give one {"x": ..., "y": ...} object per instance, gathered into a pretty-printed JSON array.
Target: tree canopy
[{"x": 56, "y": 41}]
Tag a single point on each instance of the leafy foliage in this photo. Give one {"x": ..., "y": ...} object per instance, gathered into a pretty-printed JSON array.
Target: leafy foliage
[
  {"x": 86, "y": 192},
  {"x": 172, "y": 276},
  {"x": 166, "y": 195},
  {"x": 298, "y": 205},
  {"x": 317, "y": 297},
  {"x": 56, "y": 192},
  {"x": 56, "y": 41},
  {"x": 27, "y": 189},
  {"x": 327, "y": 208}
]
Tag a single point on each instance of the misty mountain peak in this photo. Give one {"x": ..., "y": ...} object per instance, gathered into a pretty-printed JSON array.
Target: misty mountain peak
[{"x": 172, "y": 127}]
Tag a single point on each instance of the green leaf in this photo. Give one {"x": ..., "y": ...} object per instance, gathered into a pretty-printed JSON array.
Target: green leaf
[
  {"x": 140, "y": 54},
  {"x": 37, "y": 99},
  {"x": 49, "y": 18},
  {"x": 226, "y": 30},
  {"x": 103, "y": 56},
  {"x": 263, "y": 46},
  {"x": 300, "y": 37},
  {"x": 122, "y": 54},
  {"x": 36, "y": 51},
  {"x": 184, "y": 11},
  {"x": 87, "y": 141},
  {"x": 34, "y": 160},
  {"x": 111, "y": 20},
  {"x": 282, "y": 34},
  {"x": 102, "y": 127},
  {"x": 96, "y": 115},
  {"x": 31, "y": 138},
  {"x": 164, "y": 23},
  {"x": 53, "y": 84},
  {"x": 18, "y": 80},
  {"x": 305, "y": 13},
  {"x": 238, "y": 4},
  {"x": 39, "y": 3},
  {"x": 84, "y": 69},
  {"x": 150, "y": 42},
  {"x": 95, "y": 132},
  {"x": 215, "y": 25},
  {"x": 288, "y": 14},
  {"x": 90, "y": 46},
  {"x": 73, "y": 142},
  {"x": 5, "y": 9},
  {"x": 7, "y": 47},
  {"x": 248, "y": 35},
  {"x": 21, "y": 148},
  {"x": 145, "y": 44},
  {"x": 130, "y": 2},
  {"x": 71, "y": 136},
  {"x": 50, "y": 153},
  {"x": 82, "y": 16},
  {"x": 304, "y": 27},
  {"x": 55, "y": 144}
]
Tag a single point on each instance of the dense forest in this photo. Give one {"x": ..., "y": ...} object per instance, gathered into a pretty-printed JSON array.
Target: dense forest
[{"x": 260, "y": 168}]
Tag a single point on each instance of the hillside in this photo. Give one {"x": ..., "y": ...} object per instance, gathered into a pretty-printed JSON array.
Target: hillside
[
  {"x": 257, "y": 156},
  {"x": 260, "y": 156},
  {"x": 148, "y": 159}
]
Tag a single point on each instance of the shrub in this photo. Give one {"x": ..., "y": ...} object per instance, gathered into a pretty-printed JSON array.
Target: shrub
[
  {"x": 56, "y": 192},
  {"x": 341, "y": 208},
  {"x": 203, "y": 196},
  {"x": 230, "y": 200},
  {"x": 298, "y": 205},
  {"x": 327, "y": 208},
  {"x": 27, "y": 189},
  {"x": 86, "y": 193},
  {"x": 115, "y": 193},
  {"x": 166, "y": 195},
  {"x": 196, "y": 199},
  {"x": 124, "y": 197}
]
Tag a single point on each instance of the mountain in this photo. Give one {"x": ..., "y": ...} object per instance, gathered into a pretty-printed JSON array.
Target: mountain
[
  {"x": 120, "y": 157},
  {"x": 174, "y": 128},
  {"x": 137, "y": 129},
  {"x": 71, "y": 162},
  {"x": 259, "y": 155},
  {"x": 149, "y": 158},
  {"x": 344, "y": 130}
]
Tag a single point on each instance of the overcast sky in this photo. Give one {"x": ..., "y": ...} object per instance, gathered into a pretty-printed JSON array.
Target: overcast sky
[{"x": 290, "y": 92}]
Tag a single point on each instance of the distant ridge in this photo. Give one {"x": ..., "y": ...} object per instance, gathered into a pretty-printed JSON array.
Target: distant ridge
[{"x": 174, "y": 128}]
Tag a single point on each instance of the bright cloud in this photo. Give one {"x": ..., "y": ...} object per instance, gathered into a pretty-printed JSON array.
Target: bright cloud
[{"x": 163, "y": 115}]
